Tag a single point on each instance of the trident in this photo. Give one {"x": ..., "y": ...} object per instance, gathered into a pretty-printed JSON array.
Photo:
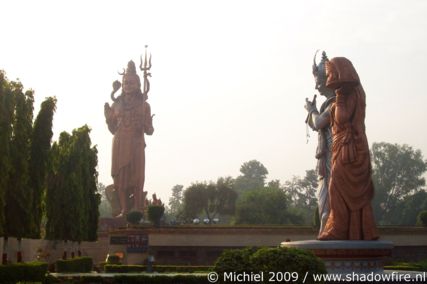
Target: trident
[{"x": 146, "y": 68}]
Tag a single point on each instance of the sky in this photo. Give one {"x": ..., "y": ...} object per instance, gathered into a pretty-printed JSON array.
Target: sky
[{"x": 229, "y": 78}]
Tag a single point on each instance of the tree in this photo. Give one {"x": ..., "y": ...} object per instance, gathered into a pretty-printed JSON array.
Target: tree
[
  {"x": 266, "y": 206},
  {"x": 90, "y": 180},
  {"x": 253, "y": 176},
  {"x": 18, "y": 196},
  {"x": 105, "y": 209},
  {"x": 72, "y": 189},
  {"x": 422, "y": 218},
  {"x": 7, "y": 110},
  {"x": 302, "y": 193},
  {"x": 397, "y": 173},
  {"x": 24, "y": 150},
  {"x": 210, "y": 198},
  {"x": 39, "y": 160},
  {"x": 409, "y": 209},
  {"x": 303, "y": 190},
  {"x": 175, "y": 201}
]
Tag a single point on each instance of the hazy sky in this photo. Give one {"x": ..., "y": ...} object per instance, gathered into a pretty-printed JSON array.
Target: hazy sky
[{"x": 229, "y": 77}]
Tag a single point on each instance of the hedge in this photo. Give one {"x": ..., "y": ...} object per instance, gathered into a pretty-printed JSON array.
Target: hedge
[
  {"x": 295, "y": 262},
  {"x": 114, "y": 268},
  {"x": 28, "y": 272},
  {"x": 141, "y": 278},
  {"x": 408, "y": 266},
  {"x": 79, "y": 264},
  {"x": 162, "y": 279}
]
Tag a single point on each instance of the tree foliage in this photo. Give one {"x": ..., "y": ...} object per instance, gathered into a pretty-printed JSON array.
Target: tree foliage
[
  {"x": 18, "y": 195},
  {"x": 7, "y": 110},
  {"x": 302, "y": 194},
  {"x": 39, "y": 160},
  {"x": 422, "y": 218},
  {"x": 211, "y": 199},
  {"x": 105, "y": 209},
  {"x": 266, "y": 206},
  {"x": 397, "y": 174},
  {"x": 24, "y": 151},
  {"x": 253, "y": 176},
  {"x": 176, "y": 201},
  {"x": 72, "y": 189}
]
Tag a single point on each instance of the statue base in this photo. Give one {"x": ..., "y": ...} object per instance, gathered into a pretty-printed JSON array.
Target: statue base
[{"x": 348, "y": 256}]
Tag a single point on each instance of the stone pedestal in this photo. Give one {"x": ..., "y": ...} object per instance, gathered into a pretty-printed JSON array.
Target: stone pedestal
[{"x": 348, "y": 256}]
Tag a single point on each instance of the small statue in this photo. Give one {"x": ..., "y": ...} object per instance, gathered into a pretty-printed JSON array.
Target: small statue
[
  {"x": 350, "y": 185},
  {"x": 128, "y": 119},
  {"x": 320, "y": 121}
]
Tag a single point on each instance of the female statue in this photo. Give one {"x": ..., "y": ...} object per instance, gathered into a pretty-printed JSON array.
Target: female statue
[{"x": 350, "y": 186}]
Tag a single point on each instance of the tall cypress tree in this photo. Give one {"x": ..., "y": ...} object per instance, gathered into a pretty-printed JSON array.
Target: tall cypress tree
[
  {"x": 7, "y": 110},
  {"x": 57, "y": 188},
  {"x": 39, "y": 160},
  {"x": 87, "y": 198},
  {"x": 18, "y": 197},
  {"x": 72, "y": 189}
]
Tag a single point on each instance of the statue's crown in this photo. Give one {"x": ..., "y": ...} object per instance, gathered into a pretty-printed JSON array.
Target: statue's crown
[
  {"x": 131, "y": 69},
  {"x": 319, "y": 69}
]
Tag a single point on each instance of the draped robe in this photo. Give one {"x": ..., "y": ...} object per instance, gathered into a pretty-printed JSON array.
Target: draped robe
[{"x": 350, "y": 187}]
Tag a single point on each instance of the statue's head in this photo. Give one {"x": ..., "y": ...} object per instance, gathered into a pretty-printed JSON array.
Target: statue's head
[
  {"x": 319, "y": 72},
  {"x": 131, "y": 83}
]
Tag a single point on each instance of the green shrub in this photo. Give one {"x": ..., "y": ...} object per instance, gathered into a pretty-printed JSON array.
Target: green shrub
[
  {"x": 28, "y": 272},
  {"x": 111, "y": 268},
  {"x": 408, "y": 266},
  {"x": 79, "y": 264},
  {"x": 234, "y": 260},
  {"x": 162, "y": 279},
  {"x": 294, "y": 262},
  {"x": 297, "y": 262},
  {"x": 134, "y": 217},
  {"x": 155, "y": 213},
  {"x": 422, "y": 218},
  {"x": 117, "y": 268}
]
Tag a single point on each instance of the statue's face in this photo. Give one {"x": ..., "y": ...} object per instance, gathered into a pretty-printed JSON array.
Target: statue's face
[
  {"x": 130, "y": 84},
  {"x": 320, "y": 81}
]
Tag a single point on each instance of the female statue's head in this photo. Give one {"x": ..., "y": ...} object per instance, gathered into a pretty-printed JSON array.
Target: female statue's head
[{"x": 341, "y": 73}]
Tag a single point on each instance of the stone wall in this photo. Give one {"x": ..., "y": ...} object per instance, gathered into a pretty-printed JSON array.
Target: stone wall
[{"x": 201, "y": 245}]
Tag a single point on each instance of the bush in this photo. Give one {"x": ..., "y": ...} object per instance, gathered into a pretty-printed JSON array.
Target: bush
[
  {"x": 79, "y": 264},
  {"x": 110, "y": 268},
  {"x": 117, "y": 268},
  {"x": 162, "y": 279},
  {"x": 234, "y": 260},
  {"x": 295, "y": 261},
  {"x": 28, "y": 272},
  {"x": 155, "y": 213},
  {"x": 422, "y": 218},
  {"x": 408, "y": 266},
  {"x": 134, "y": 217}
]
